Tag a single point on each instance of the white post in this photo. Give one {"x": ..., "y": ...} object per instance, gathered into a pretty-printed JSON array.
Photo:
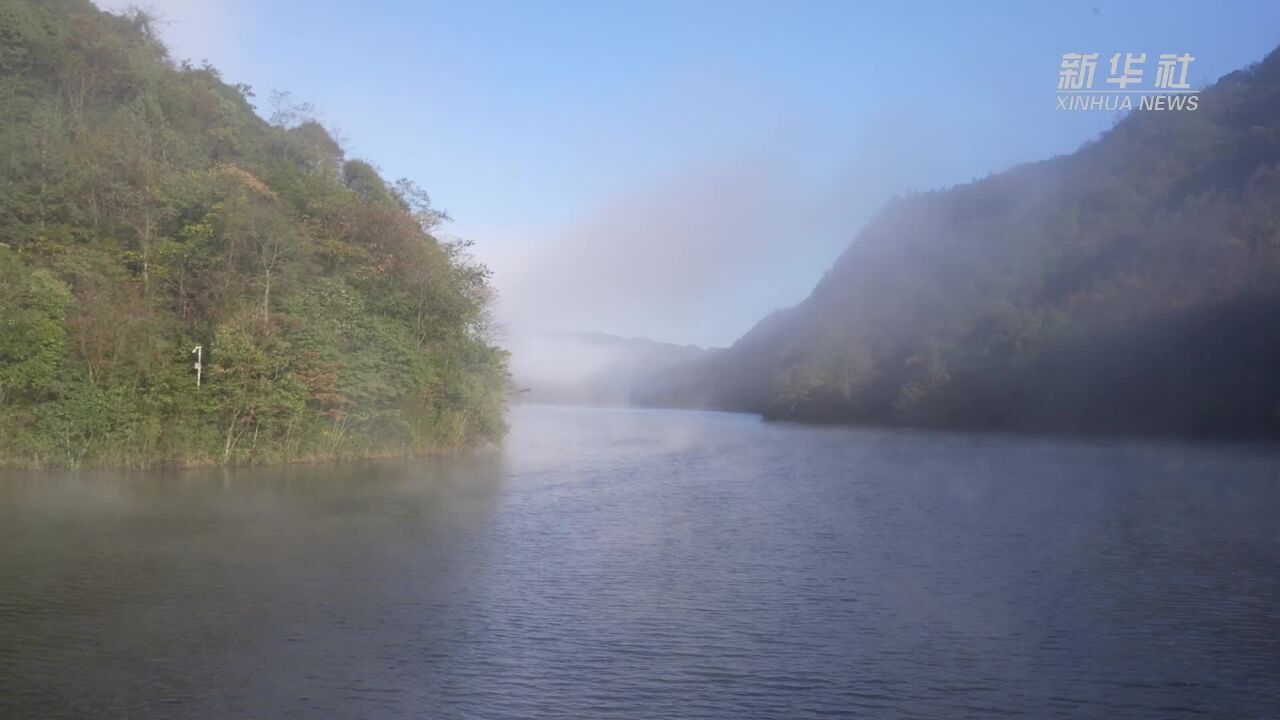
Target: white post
[{"x": 199, "y": 368}]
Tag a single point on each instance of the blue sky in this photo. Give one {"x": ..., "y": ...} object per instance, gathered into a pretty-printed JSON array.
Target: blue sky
[{"x": 677, "y": 170}]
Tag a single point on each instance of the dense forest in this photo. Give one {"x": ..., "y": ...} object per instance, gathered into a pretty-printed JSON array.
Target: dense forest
[
  {"x": 146, "y": 208},
  {"x": 1131, "y": 287}
]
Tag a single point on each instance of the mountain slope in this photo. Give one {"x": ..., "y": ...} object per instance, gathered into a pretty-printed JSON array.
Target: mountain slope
[
  {"x": 1131, "y": 287},
  {"x": 146, "y": 209}
]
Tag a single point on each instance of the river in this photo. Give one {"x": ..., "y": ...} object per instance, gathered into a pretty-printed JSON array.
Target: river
[{"x": 655, "y": 564}]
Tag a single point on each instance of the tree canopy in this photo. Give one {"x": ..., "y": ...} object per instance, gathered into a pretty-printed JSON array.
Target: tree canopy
[{"x": 146, "y": 208}]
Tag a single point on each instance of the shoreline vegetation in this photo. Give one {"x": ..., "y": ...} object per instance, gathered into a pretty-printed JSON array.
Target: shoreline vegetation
[
  {"x": 475, "y": 448},
  {"x": 147, "y": 209}
]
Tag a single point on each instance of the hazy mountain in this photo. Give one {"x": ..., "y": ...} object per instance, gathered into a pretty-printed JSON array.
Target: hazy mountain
[
  {"x": 589, "y": 368},
  {"x": 1132, "y": 286}
]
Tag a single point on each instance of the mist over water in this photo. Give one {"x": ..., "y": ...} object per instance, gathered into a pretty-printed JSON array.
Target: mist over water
[
  {"x": 642, "y": 564},
  {"x": 700, "y": 256}
]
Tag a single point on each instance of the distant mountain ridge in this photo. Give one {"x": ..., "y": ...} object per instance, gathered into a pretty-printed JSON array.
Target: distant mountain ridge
[
  {"x": 1130, "y": 287},
  {"x": 590, "y": 368}
]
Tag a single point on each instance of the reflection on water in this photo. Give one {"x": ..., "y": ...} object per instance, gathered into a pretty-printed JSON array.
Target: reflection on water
[{"x": 644, "y": 564}]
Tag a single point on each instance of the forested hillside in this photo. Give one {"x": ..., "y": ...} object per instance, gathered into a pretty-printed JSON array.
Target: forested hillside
[
  {"x": 145, "y": 209},
  {"x": 1131, "y": 287}
]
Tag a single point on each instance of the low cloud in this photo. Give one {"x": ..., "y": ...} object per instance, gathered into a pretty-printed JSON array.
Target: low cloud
[{"x": 702, "y": 255}]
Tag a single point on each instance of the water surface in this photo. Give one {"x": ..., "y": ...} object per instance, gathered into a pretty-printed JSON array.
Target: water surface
[{"x": 652, "y": 564}]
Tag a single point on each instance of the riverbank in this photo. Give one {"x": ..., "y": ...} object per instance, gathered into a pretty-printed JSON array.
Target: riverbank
[{"x": 206, "y": 461}]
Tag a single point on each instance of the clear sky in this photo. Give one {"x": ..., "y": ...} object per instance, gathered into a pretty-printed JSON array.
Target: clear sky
[{"x": 676, "y": 170}]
